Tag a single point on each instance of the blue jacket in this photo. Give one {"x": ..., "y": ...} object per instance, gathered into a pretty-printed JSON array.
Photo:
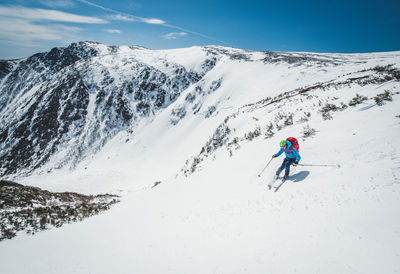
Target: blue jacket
[{"x": 289, "y": 155}]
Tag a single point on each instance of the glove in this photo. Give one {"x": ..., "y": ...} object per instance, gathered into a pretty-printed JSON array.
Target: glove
[
  {"x": 273, "y": 156},
  {"x": 295, "y": 163}
]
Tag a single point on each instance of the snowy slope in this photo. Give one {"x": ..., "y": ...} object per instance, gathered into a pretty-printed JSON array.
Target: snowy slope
[{"x": 191, "y": 198}]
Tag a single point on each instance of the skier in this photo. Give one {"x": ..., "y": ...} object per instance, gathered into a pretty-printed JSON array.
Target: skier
[{"x": 292, "y": 157}]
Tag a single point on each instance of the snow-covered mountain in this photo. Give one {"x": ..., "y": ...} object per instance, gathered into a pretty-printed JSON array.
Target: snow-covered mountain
[
  {"x": 182, "y": 134},
  {"x": 67, "y": 103}
]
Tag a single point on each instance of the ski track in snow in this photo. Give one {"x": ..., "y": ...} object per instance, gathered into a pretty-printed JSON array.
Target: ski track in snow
[{"x": 222, "y": 218}]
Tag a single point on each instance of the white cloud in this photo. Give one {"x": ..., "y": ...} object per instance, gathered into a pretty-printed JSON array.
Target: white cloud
[
  {"x": 58, "y": 3},
  {"x": 97, "y": 6},
  {"x": 126, "y": 17},
  {"x": 120, "y": 17},
  {"x": 174, "y": 35},
  {"x": 132, "y": 18},
  {"x": 117, "y": 31},
  {"x": 152, "y": 21},
  {"x": 45, "y": 14},
  {"x": 30, "y": 25},
  {"x": 22, "y": 30}
]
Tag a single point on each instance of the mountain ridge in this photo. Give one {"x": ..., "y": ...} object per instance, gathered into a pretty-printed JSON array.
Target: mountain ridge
[{"x": 64, "y": 105}]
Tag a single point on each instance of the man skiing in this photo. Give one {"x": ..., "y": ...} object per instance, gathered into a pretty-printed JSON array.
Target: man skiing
[{"x": 292, "y": 156}]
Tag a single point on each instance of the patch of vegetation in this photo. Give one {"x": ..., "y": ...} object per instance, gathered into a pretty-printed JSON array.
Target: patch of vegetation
[
  {"x": 308, "y": 131},
  {"x": 219, "y": 138},
  {"x": 235, "y": 142},
  {"x": 382, "y": 97},
  {"x": 269, "y": 133},
  {"x": 327, "y": 116},
  {"x": 210, "y": 111},
  {"x": 283, "y": 120},
  {"x": 392, "y": 73},
  {"x": 253, "y": 134},
  {"x": 31, "y": 209},
  {"x": 177, "y": 114},
  {"x": 343, "y": 106},
  {"x": 289, "y": 120},
  {"x": 325, "y": 110},
  {"x": 328, "y": 107},
  {"x": 357, "y": 100}
]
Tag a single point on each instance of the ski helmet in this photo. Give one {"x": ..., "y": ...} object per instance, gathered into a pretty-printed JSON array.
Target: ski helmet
[{"x": 282, "y": 143}]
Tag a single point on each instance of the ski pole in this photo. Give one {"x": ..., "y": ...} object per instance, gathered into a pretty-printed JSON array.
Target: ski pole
[
  {"x": 265, "y": 167},
  {"x": 319, "y": 165}
]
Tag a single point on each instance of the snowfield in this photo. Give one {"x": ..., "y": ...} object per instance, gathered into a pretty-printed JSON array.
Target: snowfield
[{"x": 191, "y": 198}]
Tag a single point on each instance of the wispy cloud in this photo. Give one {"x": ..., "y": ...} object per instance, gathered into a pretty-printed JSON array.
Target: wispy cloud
[
  {"x": 117, "y": 31},
  {"x": 34, "y": 14},
  {"x": 129, "y": 17},
  {"x": 97, "y": 6},
  {"x": 154, "y": 21},
  {"x": 132, "y": 18},
  {"x": 58, "y": 3},
  {"x": 195, "y": 33},
  {"x": 125, "y": 16},
  {"x": 120, "y": 17},
  {"x": 174, "y": 35},
  {"x": 22, "y": 30},
  {"x": 22, "y": 24}
]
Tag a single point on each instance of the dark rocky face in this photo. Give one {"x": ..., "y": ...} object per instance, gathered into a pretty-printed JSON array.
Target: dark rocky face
[{"x": 72, "y": 100}]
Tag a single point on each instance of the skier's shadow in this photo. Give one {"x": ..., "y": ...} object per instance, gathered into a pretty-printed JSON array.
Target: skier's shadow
[{"x": 300, "y": 176}]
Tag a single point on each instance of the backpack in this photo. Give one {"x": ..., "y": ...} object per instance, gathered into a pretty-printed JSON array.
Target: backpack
[{"x": 294, "y": 143}]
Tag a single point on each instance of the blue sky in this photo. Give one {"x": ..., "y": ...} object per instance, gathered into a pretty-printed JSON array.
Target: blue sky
[{"x": 27, "y": 26}]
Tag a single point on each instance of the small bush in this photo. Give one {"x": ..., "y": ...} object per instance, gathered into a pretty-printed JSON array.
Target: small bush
[
  {"x": 308, "y": 131},
  {"x": 253, "y": 134},
  {"x": 325, "y": 110},
  {"x": 210, "y": 111},
  {"x": 269, "y": 133},
  {"x": 195, "y": 163},
  {"x": 177, "y": 114},
  {"x": 289, "y": 120},
  {"x": 380, "y": 98},
  {"x": 235, "y": 140},
  {"x": 357, "y": 100},
  {"x": 328, "y": 107},
  {"x": 327, "y": 116}
]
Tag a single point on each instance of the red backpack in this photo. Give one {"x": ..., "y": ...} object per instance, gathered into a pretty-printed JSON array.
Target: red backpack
[{"x": 294, "y": 143}]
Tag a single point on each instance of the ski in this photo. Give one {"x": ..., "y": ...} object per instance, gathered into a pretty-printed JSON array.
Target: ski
[
  {"x": 272, "y": 182},
  {"x": 279, "y": 186}
]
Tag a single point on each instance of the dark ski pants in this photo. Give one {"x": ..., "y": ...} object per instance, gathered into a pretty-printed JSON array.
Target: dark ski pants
[{"x": 285, "y": 165}]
